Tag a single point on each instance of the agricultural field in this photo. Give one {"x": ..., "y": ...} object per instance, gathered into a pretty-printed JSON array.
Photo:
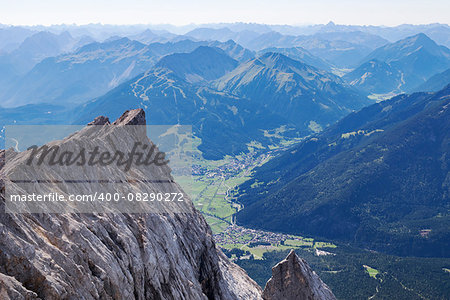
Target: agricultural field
[
  {"x": 258, "y": 242},
  {"x": 212, "y": 183},
  {"x": 371, "y": 271},
  {"x": 212, "y": 191}
]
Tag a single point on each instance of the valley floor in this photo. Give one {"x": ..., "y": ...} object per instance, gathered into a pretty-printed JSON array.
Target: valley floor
[{"x": 368, "y": 274}]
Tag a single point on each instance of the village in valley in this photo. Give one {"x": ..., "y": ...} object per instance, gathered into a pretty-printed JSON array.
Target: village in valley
[{"x": 212, "y": 193}]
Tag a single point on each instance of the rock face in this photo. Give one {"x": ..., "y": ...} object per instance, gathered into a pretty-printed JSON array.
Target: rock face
[
  {"x": 100, "y": 120},
  {"x": 159, "y": 255},
  {"x": 115, "y": 256},
  {"x": 293, "y": 279}
]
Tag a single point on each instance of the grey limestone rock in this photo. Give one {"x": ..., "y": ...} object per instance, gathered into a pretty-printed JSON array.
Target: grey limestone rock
[
  {"x": 114, "y": 255},
  {"x": 293, "y": 279}
]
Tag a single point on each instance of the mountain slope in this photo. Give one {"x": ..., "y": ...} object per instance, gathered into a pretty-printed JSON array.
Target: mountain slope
[
  {"x": 222, "y": 35},
  {"x": 93, "y": 70},
  {"x": 302, "y": 55},
  {"x": 310, "y": 98},
  {"x": 375, "y": 77},
  {"x": 78, "y": 76},
  {"x": 378, "y": 178},
  {"x": 365, "y": 39},
  {"x": 435, "y": 83},
  {"x": 39, "y": 46},
  {"x": 12, "y": 36},
  {"x": 338, "y": 52},
  {"x": 417, "y": 57},
  {"x": 203, "y": 64},
  {"x": 224, "y": 123}
]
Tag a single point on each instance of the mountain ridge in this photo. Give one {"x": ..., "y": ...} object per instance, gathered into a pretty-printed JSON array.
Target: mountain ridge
[
  {"x": 362, "y": 178},
  {"x": 214, "y": 64},
  {"x": 417, "y": 57},
  {"x": 301, "y": 93}
]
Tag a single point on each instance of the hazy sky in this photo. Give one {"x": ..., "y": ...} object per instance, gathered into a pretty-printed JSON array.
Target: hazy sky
[{"x": 180, "y": 12}]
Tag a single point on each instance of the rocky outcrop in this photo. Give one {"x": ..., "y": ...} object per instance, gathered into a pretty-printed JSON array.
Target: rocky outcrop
[
  {"x": 165, "y": 254},
  {"x": 131, "y": 117},
  {"x": 293, "y": 279},
  {"x": 114, "y": 256},
  {"x": 100, "y": 120},
  {"x": 10, "y": 288}
]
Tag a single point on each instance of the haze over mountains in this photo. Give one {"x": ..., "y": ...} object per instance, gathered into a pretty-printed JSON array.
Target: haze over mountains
[
  {"x": 247, "y": 81},
  {"x": 303, "y": 55},
  {"x": 329, "y": 47},
  {"x": 94, "y": 69},
  {"x": 241, "y": 102},
  {"x": 34, "y": 49},
  {"x": 292, "y": 89},
  {"x": 376, "y": 76},
  {"x": 339, "y": 52},
  {"x": 435, "y": 83},
  {"x": 289, "y": 79},
  {"x": 406, "y": 64},
  {"x": 311, "y": 122},
  {"x": 202, "y": 64}
]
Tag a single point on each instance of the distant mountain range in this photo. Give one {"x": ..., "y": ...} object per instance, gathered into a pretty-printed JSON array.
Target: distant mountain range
[
  {"x": 223, "y": 35},
  {"x": 16, "y": 60},
  {"x": 228, "y": 112},
  {"x": 12, "y": 37},
  {"x": 338, "y": 52},
  {"x": 214, "y": 64},
  {"x": 90, "y": 71},
  {"x": 400, "y": 66},
  {"x": 438, "y": 32},
  {"x": 39, "y": 46},
  {"x": 376, "y": 76},
  {"x": 435, "y": 83},
  {"x": 289, "y": 78},
  {"x": 224, "y": 123},
  {"x": 94, "y": 69},
  {"x": 149, "y": 36},
  {"x": 369, "y": 40},
  {"x": 357, "y": 174},
  {"x": 378, "y": 179},
  {"x": 302, "y": 55},
  {"x": 306, "y": 96},
  {"x": 417, "y": 54},
  {"x": 340, "y": 48}
]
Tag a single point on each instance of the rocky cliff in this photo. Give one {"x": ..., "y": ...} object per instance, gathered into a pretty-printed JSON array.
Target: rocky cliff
[
  {"x": 160, "y": 255},
  {"x": 292, "y": 278},
  {"x": 115, "y": 256}
]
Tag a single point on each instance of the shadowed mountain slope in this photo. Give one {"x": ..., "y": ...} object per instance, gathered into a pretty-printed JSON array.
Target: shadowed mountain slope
[{"x": 378, "y": 178}]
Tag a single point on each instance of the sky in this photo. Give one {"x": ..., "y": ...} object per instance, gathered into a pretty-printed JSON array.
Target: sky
[{"x": 182, "y": 12}]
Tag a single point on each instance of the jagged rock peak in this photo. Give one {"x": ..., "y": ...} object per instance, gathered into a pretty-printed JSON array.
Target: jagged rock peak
[
  {"x": 2, "y": 158},
  {"x": 132, "y": 117},
  {"x": 100, "y": 120},
  {"x": 112, "y": 255},
  {"x": 293, "y": 279}
]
